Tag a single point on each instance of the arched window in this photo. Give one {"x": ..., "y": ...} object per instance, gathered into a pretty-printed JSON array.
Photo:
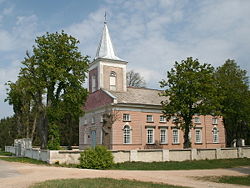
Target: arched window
[
  {"x": 215, "y": 135},
  {"x": 112, "y": 80},
  {"x": 126, "y": 135},
  {"x": 93, "y": 83}
]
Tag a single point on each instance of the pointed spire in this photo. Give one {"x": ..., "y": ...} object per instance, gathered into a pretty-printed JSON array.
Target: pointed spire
[{"x": 105, "y": 48}]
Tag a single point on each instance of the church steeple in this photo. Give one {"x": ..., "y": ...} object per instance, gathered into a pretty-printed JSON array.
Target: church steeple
[
  {"x": 107, "y": 71},
  {"x": 105, "y": 48}
]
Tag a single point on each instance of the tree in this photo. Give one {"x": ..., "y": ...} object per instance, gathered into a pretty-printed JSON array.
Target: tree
[
  {"x": 190, "y": 88},
  {"x": 109, "y": 116},
  {"x": 19, "y": 95},
  {"x": 55, "y": 74},
  {"x": 234, "y": 89},
  {"x": 8, "y": 131},
  {"x": 134, "y": 79}
]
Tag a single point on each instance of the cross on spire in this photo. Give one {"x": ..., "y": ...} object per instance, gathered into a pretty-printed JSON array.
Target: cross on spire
[{"x": 105, "y": 17}]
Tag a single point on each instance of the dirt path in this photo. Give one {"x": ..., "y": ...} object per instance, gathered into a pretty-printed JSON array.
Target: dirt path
[{"x": 24, "y": 175}]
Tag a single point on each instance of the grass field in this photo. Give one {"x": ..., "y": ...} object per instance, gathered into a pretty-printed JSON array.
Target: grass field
[
  {"x": 3, "y": 153},
  {"x": 184, "y": 165},
  {"x": 6, "y": 157},
  {"x": 99, "y": 183},
  {"x": 239, "y": 180}
]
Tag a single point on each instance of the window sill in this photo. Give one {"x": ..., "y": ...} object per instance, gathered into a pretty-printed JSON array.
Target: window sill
[
  {"x": 163, "y": 143},
  {"x": 162, "y": 122},
  {"x": 175, "y": 143},
  {"x": 150, "y": 144},
  {"x": 126, "y": 120},
  {"x": 150, "y": 121},
  {"x": 198, "y": 143}
]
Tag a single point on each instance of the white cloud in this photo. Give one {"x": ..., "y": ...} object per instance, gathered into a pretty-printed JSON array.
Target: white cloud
[
  {"x": 13, "y": 43},
  {"x": 152, "y": 35},
  {"x": 8, "y": 10},
  {"x": 6, "y": 39}
]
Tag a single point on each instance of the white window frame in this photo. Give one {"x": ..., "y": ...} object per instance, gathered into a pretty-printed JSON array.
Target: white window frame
[
  {"x": 126, "y": 117},
  {"x": 85, "y": 138},
  {"x": 215, "y": 121},
  {"x": 151, "y": 119},
  {"x": 112, "y": 81},
  {"x": 94, "y": 83},
  {"x": 175, "y": 137},
  {"x": 101, "y": 119},
  {"x": 163, "y": 119},
  {"x": 85, "y": 121},
  {"x": 197, "y": 120},
  {"x": 127, "y": 132},
  {"x": 93, "y": 120},
  {"x": 198, "y": 137},
  {"x": 215, "y": 135},
  {"x": 163, "y": 135},
  {"x": 150, "y": 137}
]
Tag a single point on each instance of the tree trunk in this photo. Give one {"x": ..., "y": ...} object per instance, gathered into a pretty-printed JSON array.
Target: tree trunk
[
  {"x": 188, "y": 124},
  {"x": 43, "y": 129},
  {"x": 33, "y": 127}
]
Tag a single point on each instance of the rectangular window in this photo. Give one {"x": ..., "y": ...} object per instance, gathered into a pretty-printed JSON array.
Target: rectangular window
[
  {"x": 175, "y": 136},
  {"x": 85, "y": 121},
  {"x": 214, "y": 121},
  {"x": 197, "y": 120},
  {"x": 149, "y": 118},
  {"x": 163, "y": 119},
  {"x": 112, "y": 83},
  {"x": 126, "y": 117},
  {"x": 150, "y": 136},
  {"x": 126, "y": 135},
  {"x": 93, "y": 83},
  {"x": 85, "y": 138},
  {"x": 92, "y": 120},
  {"x": 163, "y": 136},
  {"x": 198, "y": 136},
  {"x": 215, "y": 135},
  {"x": 101, "y": 119}
]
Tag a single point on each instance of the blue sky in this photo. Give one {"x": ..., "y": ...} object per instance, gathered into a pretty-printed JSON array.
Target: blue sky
[{"x": 150, "y": 35}]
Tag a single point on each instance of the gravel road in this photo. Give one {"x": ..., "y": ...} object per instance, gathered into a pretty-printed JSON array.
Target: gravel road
[{"x": 19, "y": 175}]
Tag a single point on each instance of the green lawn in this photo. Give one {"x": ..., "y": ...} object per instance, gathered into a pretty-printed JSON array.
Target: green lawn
[
  {"x": 240, "y": 180},
  {"x": 185, "y": 165},
  {"x": 22, "y": 160},
  {"x": 3, "y": 153},
  {"x": 99, "y": 183}
]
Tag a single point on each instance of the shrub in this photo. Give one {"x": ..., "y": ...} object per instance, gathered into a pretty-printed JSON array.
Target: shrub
[
  {"x": 96, "y": 158},
  {"x": 54, "y": 138}
]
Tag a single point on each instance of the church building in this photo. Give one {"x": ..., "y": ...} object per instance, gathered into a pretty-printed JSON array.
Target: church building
[{"x": 126, "y": 118}]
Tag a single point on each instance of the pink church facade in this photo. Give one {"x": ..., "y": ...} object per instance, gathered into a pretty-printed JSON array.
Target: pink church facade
[{"x": 126, "y": 118}]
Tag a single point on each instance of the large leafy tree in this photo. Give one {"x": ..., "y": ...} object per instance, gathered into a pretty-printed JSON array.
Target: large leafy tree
[
  {"x": 19, "y": 97},
  {"x": 234, "y": 89},
  {"x": 190, "y": 89},
  {"x": 55, "y": 73}
]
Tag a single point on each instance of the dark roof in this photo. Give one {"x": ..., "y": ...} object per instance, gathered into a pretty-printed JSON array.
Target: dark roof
[{"x": 138, "y": 96}]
